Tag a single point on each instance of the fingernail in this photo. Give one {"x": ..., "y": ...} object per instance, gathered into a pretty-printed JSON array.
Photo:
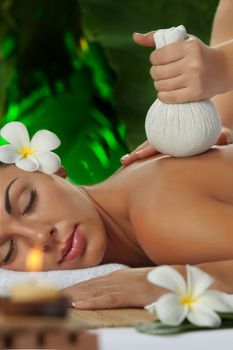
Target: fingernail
[
  {"x": 138, "y": 33},
  {"x": 125, "y": 156},
  {"x": 79, "y": 303}
]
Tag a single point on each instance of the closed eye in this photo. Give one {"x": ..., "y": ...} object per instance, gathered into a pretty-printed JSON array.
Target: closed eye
[
  {"x": 9, "y": 253},
  {"x": 31, "y": 202}
]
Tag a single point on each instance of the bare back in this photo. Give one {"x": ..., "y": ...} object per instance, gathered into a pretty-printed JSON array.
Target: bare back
[{"x": 182, "y": 208}]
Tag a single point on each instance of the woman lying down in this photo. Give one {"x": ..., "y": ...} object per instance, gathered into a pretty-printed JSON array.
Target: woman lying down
[{"x": 162, "y": 210}]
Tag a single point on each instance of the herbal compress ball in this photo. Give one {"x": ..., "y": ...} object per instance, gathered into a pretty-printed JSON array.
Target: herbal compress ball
[{"x": 184, "y": 129}]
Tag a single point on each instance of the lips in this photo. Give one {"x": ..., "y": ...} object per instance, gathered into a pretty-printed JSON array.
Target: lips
[{"x": 74, "y": 245}]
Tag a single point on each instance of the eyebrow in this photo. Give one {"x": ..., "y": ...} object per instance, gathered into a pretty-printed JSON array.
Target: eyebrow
[{"x": 8, "y": 206}]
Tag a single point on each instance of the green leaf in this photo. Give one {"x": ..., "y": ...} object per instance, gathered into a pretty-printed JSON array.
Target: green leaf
[
  {"x": 157, "y": 328},
  {"x": 226, "y": 315}
]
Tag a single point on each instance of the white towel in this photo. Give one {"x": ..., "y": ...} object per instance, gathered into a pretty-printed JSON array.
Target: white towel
[{"x": 62, "y": 278}]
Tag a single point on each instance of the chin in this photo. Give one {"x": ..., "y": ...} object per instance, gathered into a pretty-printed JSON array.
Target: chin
[{"x": 95, "y": 252}]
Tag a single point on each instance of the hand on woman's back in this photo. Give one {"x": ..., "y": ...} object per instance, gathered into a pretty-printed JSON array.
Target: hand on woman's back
[
  {"x": 146, "y": 150},
  {"x": 143, "y": 151}
]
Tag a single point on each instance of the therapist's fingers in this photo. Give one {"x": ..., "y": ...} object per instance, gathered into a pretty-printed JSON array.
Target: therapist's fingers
[
  {"x": 144, "y": 39},
  {"x": 143, "y": 151},
  {"x": 226, "y": 137},
  {"x": 62, "y": 172},
  {"x": 222, "y": 140},
  {"x": 147, "y": 152}
]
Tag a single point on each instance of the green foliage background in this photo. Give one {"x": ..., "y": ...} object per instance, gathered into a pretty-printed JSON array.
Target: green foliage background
[
  {"x": 86, "y": 81},
  {"x": 112, "y": 23}
]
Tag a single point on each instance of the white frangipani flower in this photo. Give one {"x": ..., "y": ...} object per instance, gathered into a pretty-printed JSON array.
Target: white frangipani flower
[
  {"x": 189, "y": 300},
  {"x": 29, "y": 156}
]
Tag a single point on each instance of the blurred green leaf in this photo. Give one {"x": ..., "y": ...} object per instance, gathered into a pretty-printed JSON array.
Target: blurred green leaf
[{"x": 158, "y": 328}]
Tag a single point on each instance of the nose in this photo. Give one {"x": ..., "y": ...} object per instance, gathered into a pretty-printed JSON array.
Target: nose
[
  {"x": 41, "y": 237},
  {"x": 36, "y": 234}
]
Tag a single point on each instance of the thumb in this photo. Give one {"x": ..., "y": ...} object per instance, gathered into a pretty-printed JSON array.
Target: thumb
[
  {"x": 144, "y": 39},
  {"x": 226, "y": 137},
  {"x": 222, "y": 140}
]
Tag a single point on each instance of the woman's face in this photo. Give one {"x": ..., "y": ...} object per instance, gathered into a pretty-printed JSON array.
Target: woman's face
[{"x": 39, "y": 210}]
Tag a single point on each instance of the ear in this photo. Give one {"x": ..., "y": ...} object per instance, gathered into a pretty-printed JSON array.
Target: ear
[{"x": 62, "y": 172}]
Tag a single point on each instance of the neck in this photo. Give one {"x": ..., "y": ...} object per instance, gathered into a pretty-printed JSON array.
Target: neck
[{"x": 111, "y": 199}]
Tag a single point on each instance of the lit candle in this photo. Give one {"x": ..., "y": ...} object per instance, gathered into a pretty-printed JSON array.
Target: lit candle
[
  {"x": 34, "y": 260},
  {"x": 34, "y": 290}
]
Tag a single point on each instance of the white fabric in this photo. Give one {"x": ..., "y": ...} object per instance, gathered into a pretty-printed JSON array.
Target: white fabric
[
  {"x": 184, "y": 129},
  {"x": 165, "y": 37},
  {"x": 62, "y": 278},
  {"x": 129, "y": 338}
]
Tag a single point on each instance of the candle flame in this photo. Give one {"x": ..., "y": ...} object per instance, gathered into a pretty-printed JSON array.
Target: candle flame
[{"x": 34, "y": 260}]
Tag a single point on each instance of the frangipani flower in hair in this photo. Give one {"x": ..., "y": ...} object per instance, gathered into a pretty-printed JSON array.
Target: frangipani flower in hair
[{"x": 29, "y": 155}]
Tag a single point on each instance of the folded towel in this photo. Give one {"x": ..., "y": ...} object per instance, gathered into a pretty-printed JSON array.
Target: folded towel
[{"x": 62, "y": 278}]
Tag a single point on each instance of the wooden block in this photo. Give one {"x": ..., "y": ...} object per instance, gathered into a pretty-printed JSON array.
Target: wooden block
[
  {"x": 51, "y": 340},
  {"x": 61, "y": 339},
  {"x": 79, "y": 341},
  {"x": 87, "y": 341},
  {"x": 44, "y": 333},
  {"x": 51, "y": 308},
  {"x": 24, "y": 340}
]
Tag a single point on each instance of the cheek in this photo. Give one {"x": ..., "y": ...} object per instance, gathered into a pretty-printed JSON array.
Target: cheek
[
  {"x": 22, "y": 251},
  {"x": 53, "y": 204},
  {"x": 60, "y": 198},
  {"x": 96, "y": 242}
]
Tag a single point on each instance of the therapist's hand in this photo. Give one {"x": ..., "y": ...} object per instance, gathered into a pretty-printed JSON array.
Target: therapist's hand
[
  {"x": 187, "y": 70},
  {"x": 119, "y": 289},
  {"x": 143, "y": 151},
  {"x": 146, "y": 150}
]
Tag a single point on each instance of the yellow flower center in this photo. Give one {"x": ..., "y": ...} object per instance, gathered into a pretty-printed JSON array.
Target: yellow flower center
[
  {"x": 26, "y": 151},
  {"x": 188, "y": 300}
]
